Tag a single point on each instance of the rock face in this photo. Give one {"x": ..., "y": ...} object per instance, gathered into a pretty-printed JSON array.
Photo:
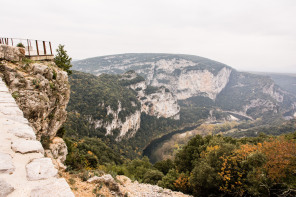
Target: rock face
[
  {"x": 42, "y": 92},
  {"x": 191, "y": 77},
  {"x": 159, "y": 102},
  {"x": 11, "y": 53},
  {"x": 189, "y": 83},
  {"x": 58, "y": 152},
  {"x": 185, "y": 76},
  {"x": 127, "y": 127}
]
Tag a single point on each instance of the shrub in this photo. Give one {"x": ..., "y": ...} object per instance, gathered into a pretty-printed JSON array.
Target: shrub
[
  {"x": 62, "y": 59},
  {"x": 20, "y": 45},
  {"x": 152, "y": 176}
]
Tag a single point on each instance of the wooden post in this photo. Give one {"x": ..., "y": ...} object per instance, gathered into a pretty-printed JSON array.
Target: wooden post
[
  {"x": 11, "y": 42},
  {"x": 28, "y": 47},
  {"x": 44, "y": 47},
  {"x": 50, "y": 48},
  {"x": 37, "y": 47}
]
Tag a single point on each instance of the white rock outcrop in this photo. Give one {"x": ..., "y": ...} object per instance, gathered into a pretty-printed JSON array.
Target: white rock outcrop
[
  {"x": 161, "y": 103},
  {"x": 127, "y": 127},
  {"x": 11, "y": 53},
  {"x": 57, "y": 152}
]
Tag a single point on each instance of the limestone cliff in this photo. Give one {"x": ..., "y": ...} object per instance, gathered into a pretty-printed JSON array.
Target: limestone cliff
[
  {"x": 42, "y": 92},
  {"x": 127, "y": 127},
  {"x": 200, "y": 81},
  {"x": 185, "y": 76},
  {"x": 159, "y": 102}
]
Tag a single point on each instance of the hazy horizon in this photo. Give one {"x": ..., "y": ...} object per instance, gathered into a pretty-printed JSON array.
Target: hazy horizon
[{"x": 246, "y": 35}]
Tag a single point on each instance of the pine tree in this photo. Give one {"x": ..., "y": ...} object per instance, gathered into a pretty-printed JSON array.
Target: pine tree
[{"x": 62, "y": 59}]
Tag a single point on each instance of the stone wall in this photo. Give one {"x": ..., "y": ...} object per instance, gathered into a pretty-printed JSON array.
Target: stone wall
[{"x": 24, "y": 171}]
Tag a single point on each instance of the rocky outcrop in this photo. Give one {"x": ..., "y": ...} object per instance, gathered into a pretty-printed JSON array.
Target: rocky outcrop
[
  {"x": 42, "y": 92},
  {"x": 57, "y": 152},
  {"x": 189, "y": 83},
  {"x": 135, "y": 189},
  {"x": 273, "y": 92},
  {"x": 24, "y": 171},
  {"x": 109, "y": 181},
  {"x": 123, "y": 186},
  {"x": 159, "y": 102},
  {"x": 127, "y": 126},
  {"x": 11, "y": 53},
  {"x": 162, "y": 103}
]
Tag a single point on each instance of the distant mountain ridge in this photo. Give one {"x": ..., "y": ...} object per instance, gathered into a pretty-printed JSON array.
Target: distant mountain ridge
[{"x": 194, "y": 79}]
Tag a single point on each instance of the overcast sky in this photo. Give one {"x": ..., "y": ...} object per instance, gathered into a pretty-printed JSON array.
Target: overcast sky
[{"x": 255, "y": 35}]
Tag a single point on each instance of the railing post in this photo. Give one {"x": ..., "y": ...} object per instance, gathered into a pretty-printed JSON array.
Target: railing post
[
  {"x": 37, "y": 47},
  {"x": 50, "y": 48},
  {"x": 28, "y": 47},
  {"x": 44, "y": 47}
]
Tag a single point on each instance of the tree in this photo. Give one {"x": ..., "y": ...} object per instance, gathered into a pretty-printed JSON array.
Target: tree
[
  {"x": 152, "y": 176},
  {"x": 62, "y": 59}
]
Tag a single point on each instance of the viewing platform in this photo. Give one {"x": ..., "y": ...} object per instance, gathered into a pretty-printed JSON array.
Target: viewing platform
[{"x": 33, "y": 49}]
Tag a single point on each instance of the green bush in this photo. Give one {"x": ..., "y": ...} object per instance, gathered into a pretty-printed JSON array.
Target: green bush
[
  {"x": 152, "y": 176},
  {"x": 20, "y": 45},
  {"x": 62, "y": 59}
]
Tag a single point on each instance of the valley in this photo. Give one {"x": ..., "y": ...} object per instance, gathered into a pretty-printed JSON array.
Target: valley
[{"x": 166, "y": 93}]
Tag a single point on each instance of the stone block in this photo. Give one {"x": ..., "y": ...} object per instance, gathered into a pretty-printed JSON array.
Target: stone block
[
  {"x": 6, "y": 164},
  {"x": 26, "y": 146},
  {"x": 41, "y": 168}
]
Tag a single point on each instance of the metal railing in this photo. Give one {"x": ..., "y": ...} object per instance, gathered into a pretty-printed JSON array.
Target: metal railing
[{"x": 32, "y": 47}]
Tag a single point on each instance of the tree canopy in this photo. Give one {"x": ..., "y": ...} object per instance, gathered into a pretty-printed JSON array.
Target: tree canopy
[{"x": 62, "y": 59}]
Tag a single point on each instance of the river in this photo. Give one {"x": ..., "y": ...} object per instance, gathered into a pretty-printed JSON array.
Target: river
[{"x": 156, "y": 143}]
